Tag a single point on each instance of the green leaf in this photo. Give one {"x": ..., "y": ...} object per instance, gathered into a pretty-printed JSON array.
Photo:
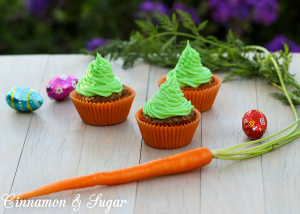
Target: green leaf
[
  {"x": 168, "y": 43},
  {"x": 187, "y": 22},
  {"x": 147, "y": 26},
  {"x": 213, "y": 38},
  {"x": 166, "y": 23},
  {"x": 202, "y": 25},
  {"x": 239, "y": 43},
  {"x": 295, "y": 99},
  {"x": 239, "y": 72},
  {"x": 175, "y": 21},
  {"x": 286, "y": 48},
  {"x": 230, "y": 37}
]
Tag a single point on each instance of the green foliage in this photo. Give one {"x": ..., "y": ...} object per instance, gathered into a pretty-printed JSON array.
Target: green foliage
[
  {"x": 161, "y": 44},
  {"x": 64, "y": 26}
]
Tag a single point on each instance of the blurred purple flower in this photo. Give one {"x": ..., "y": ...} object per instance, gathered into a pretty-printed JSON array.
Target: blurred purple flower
[
  {"x": 96, "y": 43},
  {"x": 36, "y": 7},
  {"x": 264, "y": 11},
  {"x": 179, "y": 6},
  {"x": 191, "y": 10},
  {"x": 152, "y": 7},
  {"x": 224, "y": 11},
  {"x": 276, "y": 44}
]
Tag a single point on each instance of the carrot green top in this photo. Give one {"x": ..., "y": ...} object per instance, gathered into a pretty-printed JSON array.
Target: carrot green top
[
  {"x": 99, "y": 80},
  {"x": 189, "y": 70},
  {"x": 169, "y": 101}
]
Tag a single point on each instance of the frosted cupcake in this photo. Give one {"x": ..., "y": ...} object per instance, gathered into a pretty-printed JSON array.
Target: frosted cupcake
[
  {"x": 197, "y": 82},
  {"x": 168, "y": 120},
  {"x": 101, "y": 98}
]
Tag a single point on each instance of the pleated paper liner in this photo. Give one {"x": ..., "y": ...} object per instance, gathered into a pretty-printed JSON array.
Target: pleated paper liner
[
  {"x": 103, "y": 114},
  {"x": 202, "y": 98},
  {"x": 164, "y": 136}
]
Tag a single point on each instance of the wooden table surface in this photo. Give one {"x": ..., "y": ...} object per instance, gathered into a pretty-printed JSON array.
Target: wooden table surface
[{"x": 53, "y": 143}]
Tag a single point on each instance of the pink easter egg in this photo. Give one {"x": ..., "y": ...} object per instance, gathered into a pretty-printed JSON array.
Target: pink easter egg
[{"x": 60, "y": 87}]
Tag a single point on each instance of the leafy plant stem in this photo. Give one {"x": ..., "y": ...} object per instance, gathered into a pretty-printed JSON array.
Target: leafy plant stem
[
  {"x": 172, "y": 33},
  {"x": 277, "y": 86},
  {"x": 187, "y": 35},
  {"x": 231, "y": 148},
  {"x": 279, "y": 75},
  {"x": 228, "y": 153}
]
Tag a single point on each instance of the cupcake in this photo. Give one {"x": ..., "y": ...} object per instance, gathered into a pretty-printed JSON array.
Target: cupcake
[
  {"x": 168, "y": 120},
  {"x": 197, "y": 82},
  {"x": 101, "y": 98}
]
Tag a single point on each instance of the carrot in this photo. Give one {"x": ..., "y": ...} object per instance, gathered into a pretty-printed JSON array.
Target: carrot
[{"x": 182, "y": 162}]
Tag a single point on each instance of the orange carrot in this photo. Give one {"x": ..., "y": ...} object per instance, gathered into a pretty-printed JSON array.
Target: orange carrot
[{"x": 182, "y": 162}]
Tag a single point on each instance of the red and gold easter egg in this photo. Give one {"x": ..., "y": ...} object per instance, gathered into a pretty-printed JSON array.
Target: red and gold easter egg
[{"x": 254, "y": 124}]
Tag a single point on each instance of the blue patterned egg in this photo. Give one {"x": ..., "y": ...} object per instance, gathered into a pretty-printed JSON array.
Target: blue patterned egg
[{"x": 23, "y": 99}]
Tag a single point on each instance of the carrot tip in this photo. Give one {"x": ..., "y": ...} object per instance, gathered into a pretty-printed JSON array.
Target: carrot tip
[{"x": 9, "y": 197}]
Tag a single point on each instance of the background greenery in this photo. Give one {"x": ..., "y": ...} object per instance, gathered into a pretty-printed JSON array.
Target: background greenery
[{"x": 66, "y": 26}]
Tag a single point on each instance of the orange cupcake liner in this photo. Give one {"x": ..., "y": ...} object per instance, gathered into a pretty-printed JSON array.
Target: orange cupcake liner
[
  {"x": 164, "y": 136},
  {"x": 103, "y": 114},
  {"x": 202, "y": 98}
]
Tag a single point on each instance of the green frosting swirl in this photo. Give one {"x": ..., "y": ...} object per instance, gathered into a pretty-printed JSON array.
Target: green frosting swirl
[
  {"x": 169, "y": 101},
  {"x": 99, "y": 80},
  {"x": 189, "y": 71}
]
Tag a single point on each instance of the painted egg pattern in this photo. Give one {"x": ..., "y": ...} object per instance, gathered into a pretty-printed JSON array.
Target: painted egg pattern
[
  {"x": 60, "y": 87},
  {"x": 23, "y": 99}
]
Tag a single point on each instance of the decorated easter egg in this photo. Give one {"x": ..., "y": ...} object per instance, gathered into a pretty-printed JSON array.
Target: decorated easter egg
[
  {"x": 254, "y": 124},
  {"x": 60, "y": 87},
  {"x": 23, "y": 99}
]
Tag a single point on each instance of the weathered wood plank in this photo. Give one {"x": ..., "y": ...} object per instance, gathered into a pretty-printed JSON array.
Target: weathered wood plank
[
  {"x": 58, "y": 146},
  {"x": 281, "y": 167},
  {"x": 168, "y": 194},
  {"x": 53, "y": 145},
  {"x": 113, "y": 147},
  {"x": 230, "y": 186},
  {"x": 14, "y": 125}
]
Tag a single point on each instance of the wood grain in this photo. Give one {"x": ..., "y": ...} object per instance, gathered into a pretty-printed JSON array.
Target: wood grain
[
  {"x": 53, "y": 145},
  {"x": 281, "y": 167},
  {"x": 230, "y": 186},
  {"x": 113, "y": 147},
  {"x": 14, "y": 125},
  {"x": 168, "y": 194}
]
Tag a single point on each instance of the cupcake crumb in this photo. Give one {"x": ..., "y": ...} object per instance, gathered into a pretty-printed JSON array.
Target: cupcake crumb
[
  {"x": 101, "y": 99},
  {"x": 171, "y": 120},
  {"x": 211, "y": 81}
]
